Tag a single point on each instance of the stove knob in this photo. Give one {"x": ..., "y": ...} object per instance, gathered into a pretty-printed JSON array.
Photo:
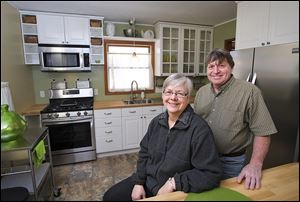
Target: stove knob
[
  {"x": 85, "y": 113},
  {"x": 78, "y": 113},
  {"x": 49, "y": 116},
  {"x": 56, "y": 115},
  {"x": 67, "y": 114}
]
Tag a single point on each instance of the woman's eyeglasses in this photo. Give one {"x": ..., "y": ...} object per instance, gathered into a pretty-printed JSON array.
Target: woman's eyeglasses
[{"x": 177, "y": 94}]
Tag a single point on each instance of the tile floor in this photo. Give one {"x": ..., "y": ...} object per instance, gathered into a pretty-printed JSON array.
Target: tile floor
[{"x": 88, "y": 181}]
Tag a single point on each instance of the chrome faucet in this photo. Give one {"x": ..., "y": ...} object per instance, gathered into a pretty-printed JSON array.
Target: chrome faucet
[{"x": 132, "y": 97}]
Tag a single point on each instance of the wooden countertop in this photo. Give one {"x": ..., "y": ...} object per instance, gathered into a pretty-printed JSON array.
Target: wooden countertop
[
  {"x": 280, "y": 183},
  {"x": 35, "y": 109}
]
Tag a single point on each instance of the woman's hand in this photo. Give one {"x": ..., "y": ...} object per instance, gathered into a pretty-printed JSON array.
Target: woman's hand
[
  {"x": 168, "y": 187},
  {"x": 138, "y": 192}
]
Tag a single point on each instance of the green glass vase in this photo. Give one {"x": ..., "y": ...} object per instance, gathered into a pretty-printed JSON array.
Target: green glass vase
[{"x": 12, "y": 124}]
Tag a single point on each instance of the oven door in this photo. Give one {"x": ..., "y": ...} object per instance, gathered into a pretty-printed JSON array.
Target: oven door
[{"x": 71, "y": 136}]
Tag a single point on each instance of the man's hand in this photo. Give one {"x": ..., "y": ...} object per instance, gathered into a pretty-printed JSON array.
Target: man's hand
[
  {"x": 138, "y": 192},
  {"x": 168, "y": 187},
  {"x": 252, "y": 175}
]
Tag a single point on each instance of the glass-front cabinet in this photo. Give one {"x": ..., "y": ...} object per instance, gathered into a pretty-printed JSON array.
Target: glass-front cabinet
[
  {"x": 181, "y": 48},
  {"x": 170, "y": 49},
  {"x": 189, "y": 50},
  {"x": 205, "y": 46}
]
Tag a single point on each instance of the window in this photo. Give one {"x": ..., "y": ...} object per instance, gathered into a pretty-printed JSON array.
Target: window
[{"x": 126, "y": 61}]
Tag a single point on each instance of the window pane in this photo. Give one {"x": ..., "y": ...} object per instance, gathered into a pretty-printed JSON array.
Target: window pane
[{"x": 126, "y": 63}]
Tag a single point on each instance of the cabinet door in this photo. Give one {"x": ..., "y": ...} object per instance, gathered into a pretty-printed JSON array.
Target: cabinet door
[
  {"x": 77, "y": 30},
  {"x": 131, "y": 130},
  {"x": 284, "y": 22},
  {"x": 251, "y": 24},
  {"x": 189, "y": 51},
  {"x": 204, "y": 47},
  {"x": 170, "y": 49},
  {"x": 148, "y": 114},
  {"x": 50, "y": 29}
]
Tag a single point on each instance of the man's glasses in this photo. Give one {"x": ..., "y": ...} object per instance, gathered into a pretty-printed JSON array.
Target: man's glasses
[{"x": 177, "y": 94}]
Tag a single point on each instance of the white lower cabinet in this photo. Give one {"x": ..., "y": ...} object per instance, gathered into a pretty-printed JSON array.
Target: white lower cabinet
[
  {"x": 135, "y": 122},
  {"x": 108, "y": 130},
  {"x": 122, "y": 128},
  {"x": 132, "y": 127}
]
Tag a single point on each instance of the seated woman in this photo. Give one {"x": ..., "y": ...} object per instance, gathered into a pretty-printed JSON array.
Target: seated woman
[{"x": 177, "y": 153}]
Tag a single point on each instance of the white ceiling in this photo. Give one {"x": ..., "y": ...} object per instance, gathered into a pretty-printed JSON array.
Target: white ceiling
[{"x": 145, "y": 12}]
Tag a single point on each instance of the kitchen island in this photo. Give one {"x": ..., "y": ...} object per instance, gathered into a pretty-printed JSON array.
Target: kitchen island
[{"x": 280, "y": 183}]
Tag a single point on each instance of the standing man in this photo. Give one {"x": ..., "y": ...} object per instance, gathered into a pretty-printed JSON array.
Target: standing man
[{"x": 236, "y": 112}]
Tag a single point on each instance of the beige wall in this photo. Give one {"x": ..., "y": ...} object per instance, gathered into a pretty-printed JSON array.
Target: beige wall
[
  {"x": 223, "y": 32},
  {"x": 13, "y": 69}
]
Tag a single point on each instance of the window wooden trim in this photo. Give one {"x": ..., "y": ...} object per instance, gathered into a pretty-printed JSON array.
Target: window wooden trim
[{"x": 132, "y": 43}]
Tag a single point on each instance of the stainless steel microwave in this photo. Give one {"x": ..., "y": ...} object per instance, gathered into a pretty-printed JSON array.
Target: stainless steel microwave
[{"x": 62, "y": 58}]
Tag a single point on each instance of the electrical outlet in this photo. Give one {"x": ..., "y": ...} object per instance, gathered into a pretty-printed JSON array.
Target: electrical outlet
[
  {"x": 96, "y": 91},
  {"x": 42, "y": 93}
]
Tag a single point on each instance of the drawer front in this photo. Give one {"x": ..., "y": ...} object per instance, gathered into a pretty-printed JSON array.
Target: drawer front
[
  {"x": 104, "y": 113},
  {"x": 152, "y": 110},
  {"x": 108, "y": 131},
  {"x": 134, "y": 111},
  {"x": 108, "y": 144},
  {"x": 108, "y": 122}
]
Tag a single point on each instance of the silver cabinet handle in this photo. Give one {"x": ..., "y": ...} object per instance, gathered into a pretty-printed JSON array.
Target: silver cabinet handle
[
  {"x": 109, "y": 113},
  {"x": 108, "y": 123},
  {"x": 132, "y": 112},
  {"x": 108, "y": 132},
  {"x": 108, "y": 141},
  {"x": 254, "y": 78},
  {"x": 248, "y": 77}
]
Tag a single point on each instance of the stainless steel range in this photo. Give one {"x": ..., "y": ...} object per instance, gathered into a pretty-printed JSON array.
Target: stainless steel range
[{"x": 70, "y": 120}]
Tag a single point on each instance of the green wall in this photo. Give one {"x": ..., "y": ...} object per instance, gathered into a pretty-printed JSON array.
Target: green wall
[
  {"x": 223, "y": 32},
  {"x": 13, "y": 69}
]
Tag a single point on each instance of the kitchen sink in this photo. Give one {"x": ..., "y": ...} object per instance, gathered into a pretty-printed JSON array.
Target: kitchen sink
[{"x": 143, "y": 101}]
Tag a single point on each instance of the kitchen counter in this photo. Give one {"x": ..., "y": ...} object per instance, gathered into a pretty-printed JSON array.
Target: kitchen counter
[
  {"x": 119, "y": 104},
  {"x": 280, "y": 183},
  {"x": 35, "y": 109}
]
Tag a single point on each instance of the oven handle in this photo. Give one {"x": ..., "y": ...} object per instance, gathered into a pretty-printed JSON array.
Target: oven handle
[{"x": 55, "y": 122}]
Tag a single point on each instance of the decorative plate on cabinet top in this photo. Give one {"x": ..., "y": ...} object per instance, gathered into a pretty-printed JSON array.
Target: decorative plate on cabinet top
[{"x": 149, "y": 34}]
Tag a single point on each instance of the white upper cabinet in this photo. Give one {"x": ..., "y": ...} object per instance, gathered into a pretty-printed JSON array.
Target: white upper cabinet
[
  {"x": 181, "y": 48},
  {"x": 262, "y": 23},
  {"x": 59, "y": 29}
]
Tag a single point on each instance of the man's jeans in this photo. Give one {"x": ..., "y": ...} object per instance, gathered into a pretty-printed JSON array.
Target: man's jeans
[{"x": 232, "y": 166}]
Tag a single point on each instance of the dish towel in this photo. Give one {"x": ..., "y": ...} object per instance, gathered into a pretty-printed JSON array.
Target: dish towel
[
  {"x": 217, "y": 194},
  {"x": 39, "y": 153}
]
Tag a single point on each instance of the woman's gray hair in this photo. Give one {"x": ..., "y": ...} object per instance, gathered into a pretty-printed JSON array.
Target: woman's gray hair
[{"x": 178, "y": 80}]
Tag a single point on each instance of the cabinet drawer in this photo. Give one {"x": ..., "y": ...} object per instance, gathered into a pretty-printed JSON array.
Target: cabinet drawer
[
  {"x": 152, "y": 110},
  {"x": 135, "y": 111},
  {"x": 107, "y": 144},
  {"x": 108, "y": 131},
  {"x": 103, "y": 113},
  {"x": 105, "y": 122}
]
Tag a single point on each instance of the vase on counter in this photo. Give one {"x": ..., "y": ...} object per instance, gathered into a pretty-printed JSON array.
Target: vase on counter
[{"x": 12, "y": 124}]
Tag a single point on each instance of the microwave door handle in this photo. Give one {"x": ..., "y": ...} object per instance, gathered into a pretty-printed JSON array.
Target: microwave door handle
[
  {"x": 81, "y": 59},
  {"x": 42, "y": 59}
]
